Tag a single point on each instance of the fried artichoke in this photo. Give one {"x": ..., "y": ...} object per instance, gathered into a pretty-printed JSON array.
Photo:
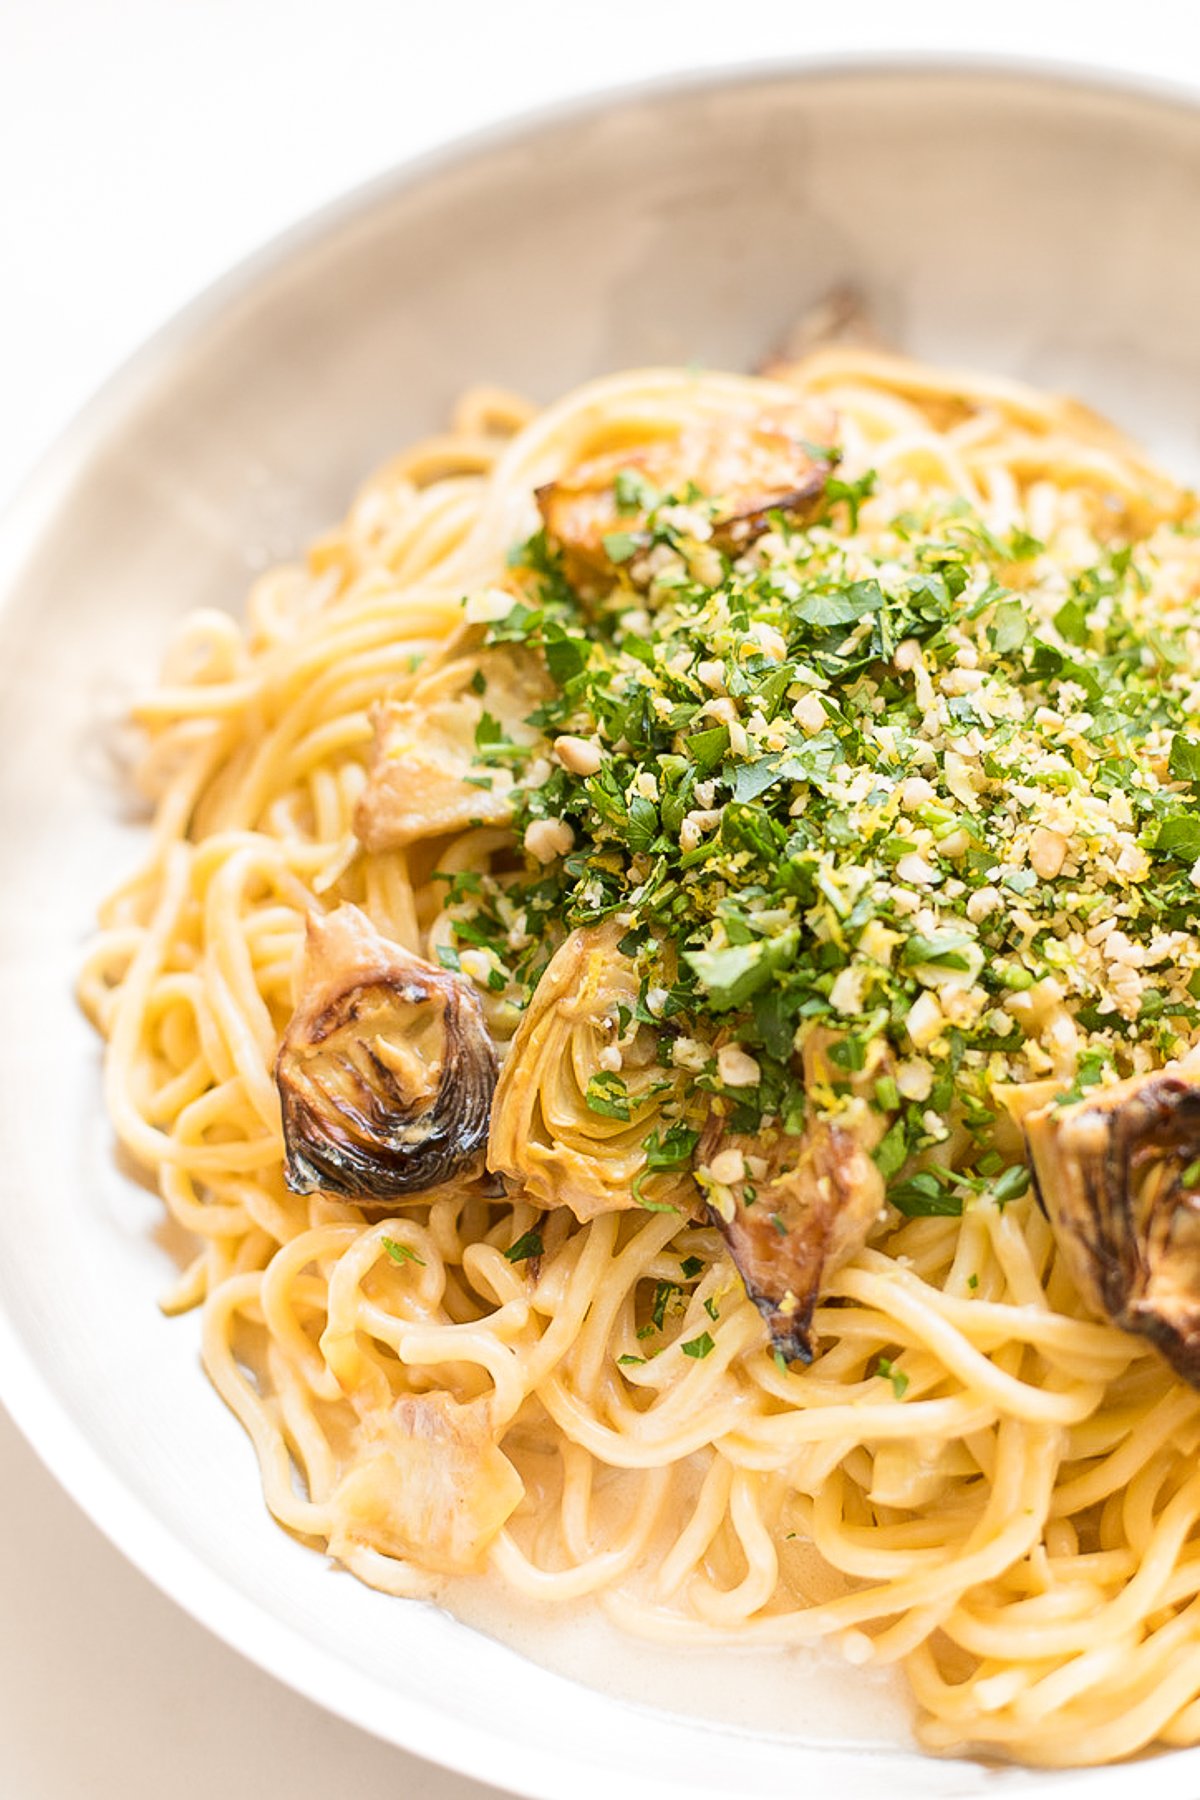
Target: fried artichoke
[
  {"x": 385, "y": 1072},
  {"x": 1118, "y": 1176},
  {"x": 748, "y": 468},
  {"x": 795, "y": 1209},
  {"x": 435, "y": 1487},
  {"x": 572, "y": 1131},
  {"x": 434, "y": 767}
]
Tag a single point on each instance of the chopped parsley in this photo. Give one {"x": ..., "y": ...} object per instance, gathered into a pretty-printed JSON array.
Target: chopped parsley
[
  {"x": 528, "y": 1245},
  {"x": 899, "y": 1380},
  {"x": 607, "y": 1094},
  {"x": 928, "y": 788},
  {"x": 401, "y": 1253},
  {"x": 667, "y": 1296}
]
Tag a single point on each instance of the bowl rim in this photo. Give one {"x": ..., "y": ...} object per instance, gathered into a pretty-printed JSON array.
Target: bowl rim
[{"x": 129, "y": 1523}]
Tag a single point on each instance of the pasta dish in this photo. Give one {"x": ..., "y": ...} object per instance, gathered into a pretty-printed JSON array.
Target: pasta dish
[{"x": 664, "y": 983}]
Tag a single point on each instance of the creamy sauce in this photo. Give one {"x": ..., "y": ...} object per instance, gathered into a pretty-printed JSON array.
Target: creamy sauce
[{"x": 809, "y": 1693}]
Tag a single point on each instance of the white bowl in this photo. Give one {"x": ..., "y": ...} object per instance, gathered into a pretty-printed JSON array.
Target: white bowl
[{"x": 1031, "y": 222}]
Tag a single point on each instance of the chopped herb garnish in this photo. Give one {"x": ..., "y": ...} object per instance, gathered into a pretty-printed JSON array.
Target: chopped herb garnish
[
  {"x": 607, "y": 1094},
  {"x": 401, "y": 1253},
  {"x": 926, "y": 1194},
  {"x": 667, "y": 1295},
  {"x": 887, "y": 791},
  {"x": 528, "y": 1245},
  {"x": 699, "y": 1346},
  {"x": 897, "y": 1377},
  {"x": 619, "y": 546},
  {"x": 1011, "y": 1185},
  {"x": 634, "y": 493},
  {"x": 672, "y": 1149}
]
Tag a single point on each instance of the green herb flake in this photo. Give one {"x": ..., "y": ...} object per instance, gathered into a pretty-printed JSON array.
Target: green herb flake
[
  {"x": 1179, "y": 836},
  {"x": 671, "y": 1149},
  {"x": 1009, "y": 627},
  {"x": 1011, "y": 1186},
  {"x": 1183, "y": 764},
  {"x": 620, "y": 546},
  {"x": 633, "y": 493},
  {"x": 607, "y": 1095},
  {"x": 527, "y": 1246},
  {"x": 897, "y": 1377},
  {"x": 488, "y": 732},
  {"x": 401, "y": 1253},
  {"x": 887, "y": 1094},
  {"x": 926, "y": 1195},
  {"x": 732, "y": 976},
  {"x": 891, "y": 1153},
  {"x": 667, "y": 1296},
  {"x": 945, "y": 950}
]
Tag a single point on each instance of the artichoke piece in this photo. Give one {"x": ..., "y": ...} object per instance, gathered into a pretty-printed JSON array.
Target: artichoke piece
[
  {"x": 1109, "y": 1172},
  {"x": 427, "y": 776},
  {"x": 545, "y": 1134},
  {"x": 435, "y": 1488},
  {"x": 794, "y": 1225},
  {"x": 385, "y": 1072},
  {"x": 749, "y": 467}
]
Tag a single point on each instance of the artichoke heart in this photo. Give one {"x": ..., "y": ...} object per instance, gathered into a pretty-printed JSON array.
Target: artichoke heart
[
  {"x": 427, "y": 774},
  {"x": 800, "y": 1206},
  {"x": 747, "y": 467},
  {"x": 433, "y": 1487},
  {"x": 1116, "y": 1174},
  {"x": 572, "y": 1132},
  {"x": 385, "y": 1072}
]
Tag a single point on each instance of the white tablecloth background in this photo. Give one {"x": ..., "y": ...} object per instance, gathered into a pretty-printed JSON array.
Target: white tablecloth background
[{"x": 146, "y": 145}]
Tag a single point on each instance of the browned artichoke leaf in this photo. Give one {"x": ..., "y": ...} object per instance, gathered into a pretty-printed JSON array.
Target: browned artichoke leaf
[
  {"x": 544, "y": 1134},
  {"x": 803, "y": 1205},
  {"x": 427, "y": 776},
  {"x": 1115, "y": 1174},
  {"x": 385, "y": 1072},
  {"x": 750, "y": 467}
]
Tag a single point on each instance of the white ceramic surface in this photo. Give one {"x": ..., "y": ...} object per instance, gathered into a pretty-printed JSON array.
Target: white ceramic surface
[{"x": 1019, "y": 222}]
